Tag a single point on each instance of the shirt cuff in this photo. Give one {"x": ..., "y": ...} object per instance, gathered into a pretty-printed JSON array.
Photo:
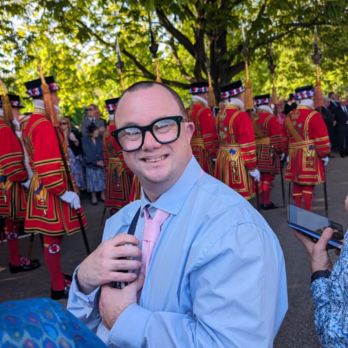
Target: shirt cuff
[
  {"x": 129, "y": 328},
  {"x": 77, "y": 296}
]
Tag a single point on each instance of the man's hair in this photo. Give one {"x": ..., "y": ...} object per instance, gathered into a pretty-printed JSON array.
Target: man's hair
[
  {"x": 331, "y": 94},
  {"x": 149, "y": 84}
]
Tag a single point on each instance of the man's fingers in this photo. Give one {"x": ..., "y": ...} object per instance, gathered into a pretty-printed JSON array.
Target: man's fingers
[
  {"x": 126, "y": 277},
  {"x": 308, "y": 244},
  {"x": 127, "y": 250},
  {"x": 325, "y": 237},
  {"x": 124, "y": 238},
  {"x": 126, "y": 265},
  {"x": 138, "y": 284}
]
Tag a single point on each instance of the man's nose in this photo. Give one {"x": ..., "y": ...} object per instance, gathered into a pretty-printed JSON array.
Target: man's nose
[{"x": 150, "y": 141}]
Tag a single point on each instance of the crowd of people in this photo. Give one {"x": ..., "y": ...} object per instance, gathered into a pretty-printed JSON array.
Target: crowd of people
[{"x": 176, "y": 167}]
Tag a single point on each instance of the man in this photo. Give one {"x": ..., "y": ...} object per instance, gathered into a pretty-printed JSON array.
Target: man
[
  {"x": 341, "y": 138},
  {"x": 118, "y": 176},
  {"x": 236, "y": 159},
  {"x": 329, "y": 289},
  {"x": 204, "y": 141},
  {"x": 270, "y": 146},
  {"x": 92, "y": 116},
  {"x": 51, "y": 203},
  {"x": 13, "y": 179},
  {"x": 329, "y": 119},
  {"x": 216, "y": 277},
  {"x": 309, "y": 147}
]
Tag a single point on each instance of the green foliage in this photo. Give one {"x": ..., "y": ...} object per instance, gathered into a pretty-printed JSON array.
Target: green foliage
[{"x": 75, "y": 41}]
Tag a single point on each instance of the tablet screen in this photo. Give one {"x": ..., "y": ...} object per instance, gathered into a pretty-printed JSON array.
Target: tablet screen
[{"x": 313, "y": 222}]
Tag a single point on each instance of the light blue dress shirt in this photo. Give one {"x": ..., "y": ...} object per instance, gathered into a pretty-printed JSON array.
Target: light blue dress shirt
[{"x": 216, "y": 276}]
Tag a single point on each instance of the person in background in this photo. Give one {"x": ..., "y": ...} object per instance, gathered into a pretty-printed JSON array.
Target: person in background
[
  {"x": 53, "y": 206},
  {"x": 92, "y": 117},
  {"x": 270, "y": 147},
  {"x": 341, "y": 118},
  {"x": 205, "y": 141},
  {"x": 212, "y": 272},
  {"x": 92, "y": 146},
  {"x": 236, "y": 163},
  {"x": 14, "y": 180},
  {"x": 118, "y": 176},
  {"x": 330, "y": 121},
  {"x": 329, "y": 287},
  {"x": 308, "y": 148},
  {"x": 74, "y": 152}
]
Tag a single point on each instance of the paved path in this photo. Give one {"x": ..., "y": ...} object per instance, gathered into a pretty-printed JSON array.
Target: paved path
[{"x": 297, "y": 329}]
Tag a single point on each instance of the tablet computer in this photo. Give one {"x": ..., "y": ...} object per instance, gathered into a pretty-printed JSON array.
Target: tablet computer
[{"x": 312, "y": 225}]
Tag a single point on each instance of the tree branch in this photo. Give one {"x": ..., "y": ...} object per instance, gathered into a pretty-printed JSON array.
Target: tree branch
[
  {"x": 148, "y": 74},
  {"x": 93, "y": 33},
  {"x": 182, "y": 39},
  {"x": 178, "y": 60}
]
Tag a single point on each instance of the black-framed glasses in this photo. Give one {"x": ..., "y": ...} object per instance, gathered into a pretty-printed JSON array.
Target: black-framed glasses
[{"x": 165, "y": 130}]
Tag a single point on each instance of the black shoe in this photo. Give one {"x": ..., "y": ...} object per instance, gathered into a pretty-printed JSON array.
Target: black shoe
[
  {"x": 269, "y": 206},
  {"x": 25, "y": 265},
  {"x": 60, "y": 294}
]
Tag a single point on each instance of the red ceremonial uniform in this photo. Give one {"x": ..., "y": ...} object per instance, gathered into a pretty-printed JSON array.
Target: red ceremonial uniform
[
  {"x": 12, "y": 173},
  {"x": 204, "y": 142},
  {"x": 270, "y": 143},
  {"x": 118, "y": 176},
  {"x": 46, "y": 212},
  {"x": 308, "y": 144},
  {"x": 135, "y": 189},
  {"x": 237, "y": 151}
]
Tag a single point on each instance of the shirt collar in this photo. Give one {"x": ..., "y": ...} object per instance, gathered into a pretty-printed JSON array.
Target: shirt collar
[{"x": 173, "y": 199}]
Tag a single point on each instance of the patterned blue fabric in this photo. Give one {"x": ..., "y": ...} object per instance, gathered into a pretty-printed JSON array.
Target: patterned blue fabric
[
  {"x": 95, "y": 179},
  {"x": 75, "y": 163},
  {"x": 42, "y": 323},
  {"x": 330, "y": 298}
]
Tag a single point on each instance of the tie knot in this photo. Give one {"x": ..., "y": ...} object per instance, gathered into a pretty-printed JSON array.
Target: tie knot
[
  {"x": 160, "y": 216},
  {"x": 153, "y": 226}
]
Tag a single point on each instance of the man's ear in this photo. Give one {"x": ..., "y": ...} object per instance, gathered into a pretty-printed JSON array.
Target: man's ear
[{"x": 189, "y": 129}]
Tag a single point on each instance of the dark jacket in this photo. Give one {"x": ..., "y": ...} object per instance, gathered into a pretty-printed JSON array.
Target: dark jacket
[
  {"x": 340, "y": 115},
  {"x": 92, "y": 152},
  {"x": 86, "y": 122}
]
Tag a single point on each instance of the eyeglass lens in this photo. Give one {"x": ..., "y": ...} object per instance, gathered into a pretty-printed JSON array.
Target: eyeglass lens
[{"x": 165, "y": 131}]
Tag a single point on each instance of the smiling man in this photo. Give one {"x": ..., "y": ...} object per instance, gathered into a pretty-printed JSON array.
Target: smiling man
[{"x": 214, "y": 275}]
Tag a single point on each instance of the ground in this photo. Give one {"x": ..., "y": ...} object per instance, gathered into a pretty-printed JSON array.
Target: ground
[{"x": 297, "y": 329}]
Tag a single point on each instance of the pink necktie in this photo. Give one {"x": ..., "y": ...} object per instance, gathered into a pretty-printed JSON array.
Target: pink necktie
[{"x": 152, "y": 228}]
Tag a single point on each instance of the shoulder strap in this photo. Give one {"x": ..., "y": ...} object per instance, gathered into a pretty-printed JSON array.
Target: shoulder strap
[
  {"x": 290, "y": 127},
  {"x": 134, "y": 222},
  {"x": 230, "y": 123}
]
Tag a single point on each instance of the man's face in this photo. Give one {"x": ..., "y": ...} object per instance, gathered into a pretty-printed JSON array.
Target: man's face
[
  {"x": 157, "y": 166},
  {"x": 92, "y": 111}
]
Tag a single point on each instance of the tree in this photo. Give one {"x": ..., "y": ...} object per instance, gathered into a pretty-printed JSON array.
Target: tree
[{"x": 76, "y": 39}]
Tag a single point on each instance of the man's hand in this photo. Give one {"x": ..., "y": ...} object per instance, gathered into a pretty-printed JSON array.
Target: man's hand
[
  {"x": 100, "y": 163},
  {"x": 113, "y": 302},
  {"x": 318, "y": 255},
  {"x": 104, "y": 265}
]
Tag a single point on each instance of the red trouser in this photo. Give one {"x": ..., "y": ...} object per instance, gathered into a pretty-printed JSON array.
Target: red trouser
[
  {"x": 265, "y": 188},
  {"x": 303, "y": 192},
  {"x": 52, "y": 255},
  {"x": 11, "y": 234}
]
